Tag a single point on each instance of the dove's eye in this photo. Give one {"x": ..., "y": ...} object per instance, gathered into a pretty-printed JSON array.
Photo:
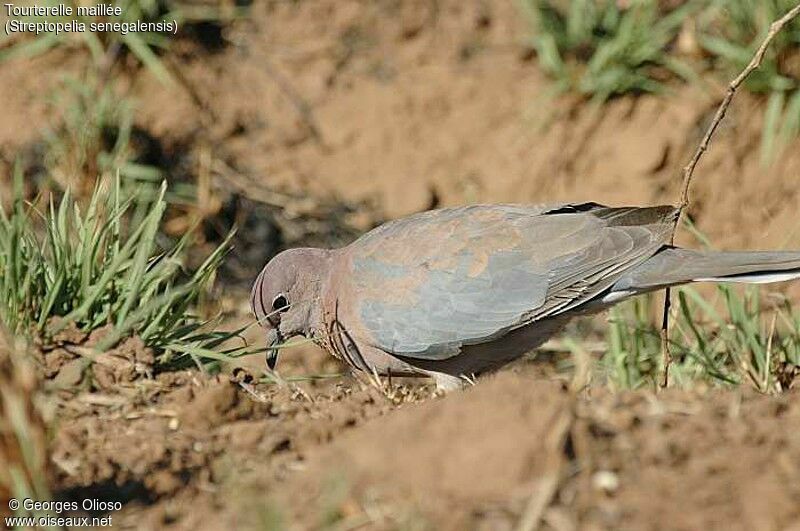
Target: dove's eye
[{"x": 280, "y": 303}]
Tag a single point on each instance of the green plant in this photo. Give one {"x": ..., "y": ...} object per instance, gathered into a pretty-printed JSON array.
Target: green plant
[
  {"x": 93, "y": 268},
  {"x": 742, "y": 344},
  {"x": 600, "y": 49},
  {"x": 731, "y": 30}
]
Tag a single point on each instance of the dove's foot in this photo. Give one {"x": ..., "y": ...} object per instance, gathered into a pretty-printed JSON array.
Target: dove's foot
[{"x": 447, "y": 382}]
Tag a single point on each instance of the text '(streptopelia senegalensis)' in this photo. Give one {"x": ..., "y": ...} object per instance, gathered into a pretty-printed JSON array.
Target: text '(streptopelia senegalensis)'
[{"x": 456, "y": 292}]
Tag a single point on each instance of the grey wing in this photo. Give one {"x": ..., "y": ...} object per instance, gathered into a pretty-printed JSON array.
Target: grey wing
[{"x": 435, "y": 282}]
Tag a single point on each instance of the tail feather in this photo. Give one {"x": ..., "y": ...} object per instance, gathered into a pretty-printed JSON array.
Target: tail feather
[{"x": 671, "y": 267}]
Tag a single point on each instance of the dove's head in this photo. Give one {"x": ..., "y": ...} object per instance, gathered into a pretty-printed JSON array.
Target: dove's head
[{"x": 286, "y": 295}]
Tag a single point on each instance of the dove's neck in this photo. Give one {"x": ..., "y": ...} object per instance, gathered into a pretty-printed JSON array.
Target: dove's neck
[{"x": 313, "y": 274}]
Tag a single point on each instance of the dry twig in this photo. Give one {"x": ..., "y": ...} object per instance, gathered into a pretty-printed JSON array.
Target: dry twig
[{"x": 688, "y": 170}]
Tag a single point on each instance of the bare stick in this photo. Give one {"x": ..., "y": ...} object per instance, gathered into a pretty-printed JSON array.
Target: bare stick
[
  {"x": 688, "y": 170},
  {"x": 666, "y": 354}
]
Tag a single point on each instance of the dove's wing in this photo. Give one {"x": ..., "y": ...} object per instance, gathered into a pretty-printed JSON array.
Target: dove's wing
[{"x": 428, "y": 284}]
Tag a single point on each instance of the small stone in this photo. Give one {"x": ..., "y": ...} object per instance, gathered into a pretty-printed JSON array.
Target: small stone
[{"x": 606, "y": 481}]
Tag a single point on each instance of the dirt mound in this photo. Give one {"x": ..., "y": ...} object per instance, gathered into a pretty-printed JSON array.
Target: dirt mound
[
  {"x": 676, "y": 460},
  {"x": 453, "y": 460}
]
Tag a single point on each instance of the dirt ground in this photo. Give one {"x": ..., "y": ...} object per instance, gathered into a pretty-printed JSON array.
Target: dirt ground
[
  {"x": 184, "y": 451},
  {"x": 382, "y": 109}
]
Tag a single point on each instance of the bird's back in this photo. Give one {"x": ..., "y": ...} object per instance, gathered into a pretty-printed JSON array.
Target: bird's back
[{"x": 426, "y": 285}]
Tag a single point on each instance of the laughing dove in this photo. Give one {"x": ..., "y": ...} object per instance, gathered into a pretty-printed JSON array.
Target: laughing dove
[{"x": 456, "y": 292}]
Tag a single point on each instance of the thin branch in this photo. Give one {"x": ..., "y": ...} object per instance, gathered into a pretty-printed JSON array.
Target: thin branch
[
  {"x": 666, "y": 353},
  {"x": 688, "y": 170},
  {"x": 755, "y": 62}
]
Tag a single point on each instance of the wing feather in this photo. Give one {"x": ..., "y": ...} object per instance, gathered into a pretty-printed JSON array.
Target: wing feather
[{"x": 432, "y": 283}]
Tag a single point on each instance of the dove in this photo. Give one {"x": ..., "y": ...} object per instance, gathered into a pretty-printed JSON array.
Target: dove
[{"x": 457, "y": 292}]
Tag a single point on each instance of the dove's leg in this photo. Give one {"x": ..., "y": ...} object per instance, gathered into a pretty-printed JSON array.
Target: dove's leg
[{"x": 379, "y": 362}]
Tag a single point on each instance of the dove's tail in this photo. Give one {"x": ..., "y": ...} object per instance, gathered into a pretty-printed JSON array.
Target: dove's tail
[{"x": 672, "y": 266}]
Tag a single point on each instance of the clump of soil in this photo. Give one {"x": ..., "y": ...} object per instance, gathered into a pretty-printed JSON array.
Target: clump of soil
[{"x": 70, "y": 359}]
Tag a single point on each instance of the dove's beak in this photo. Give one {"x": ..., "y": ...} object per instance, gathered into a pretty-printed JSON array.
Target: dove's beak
[{"x": 274, "y": 339}]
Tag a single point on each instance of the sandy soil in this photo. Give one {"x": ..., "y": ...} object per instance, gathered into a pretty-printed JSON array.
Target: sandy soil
[{"x": 342, "y": 114}]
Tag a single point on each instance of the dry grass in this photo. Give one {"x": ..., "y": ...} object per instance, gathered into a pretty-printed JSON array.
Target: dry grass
[{"x": 23, "y": 433}]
